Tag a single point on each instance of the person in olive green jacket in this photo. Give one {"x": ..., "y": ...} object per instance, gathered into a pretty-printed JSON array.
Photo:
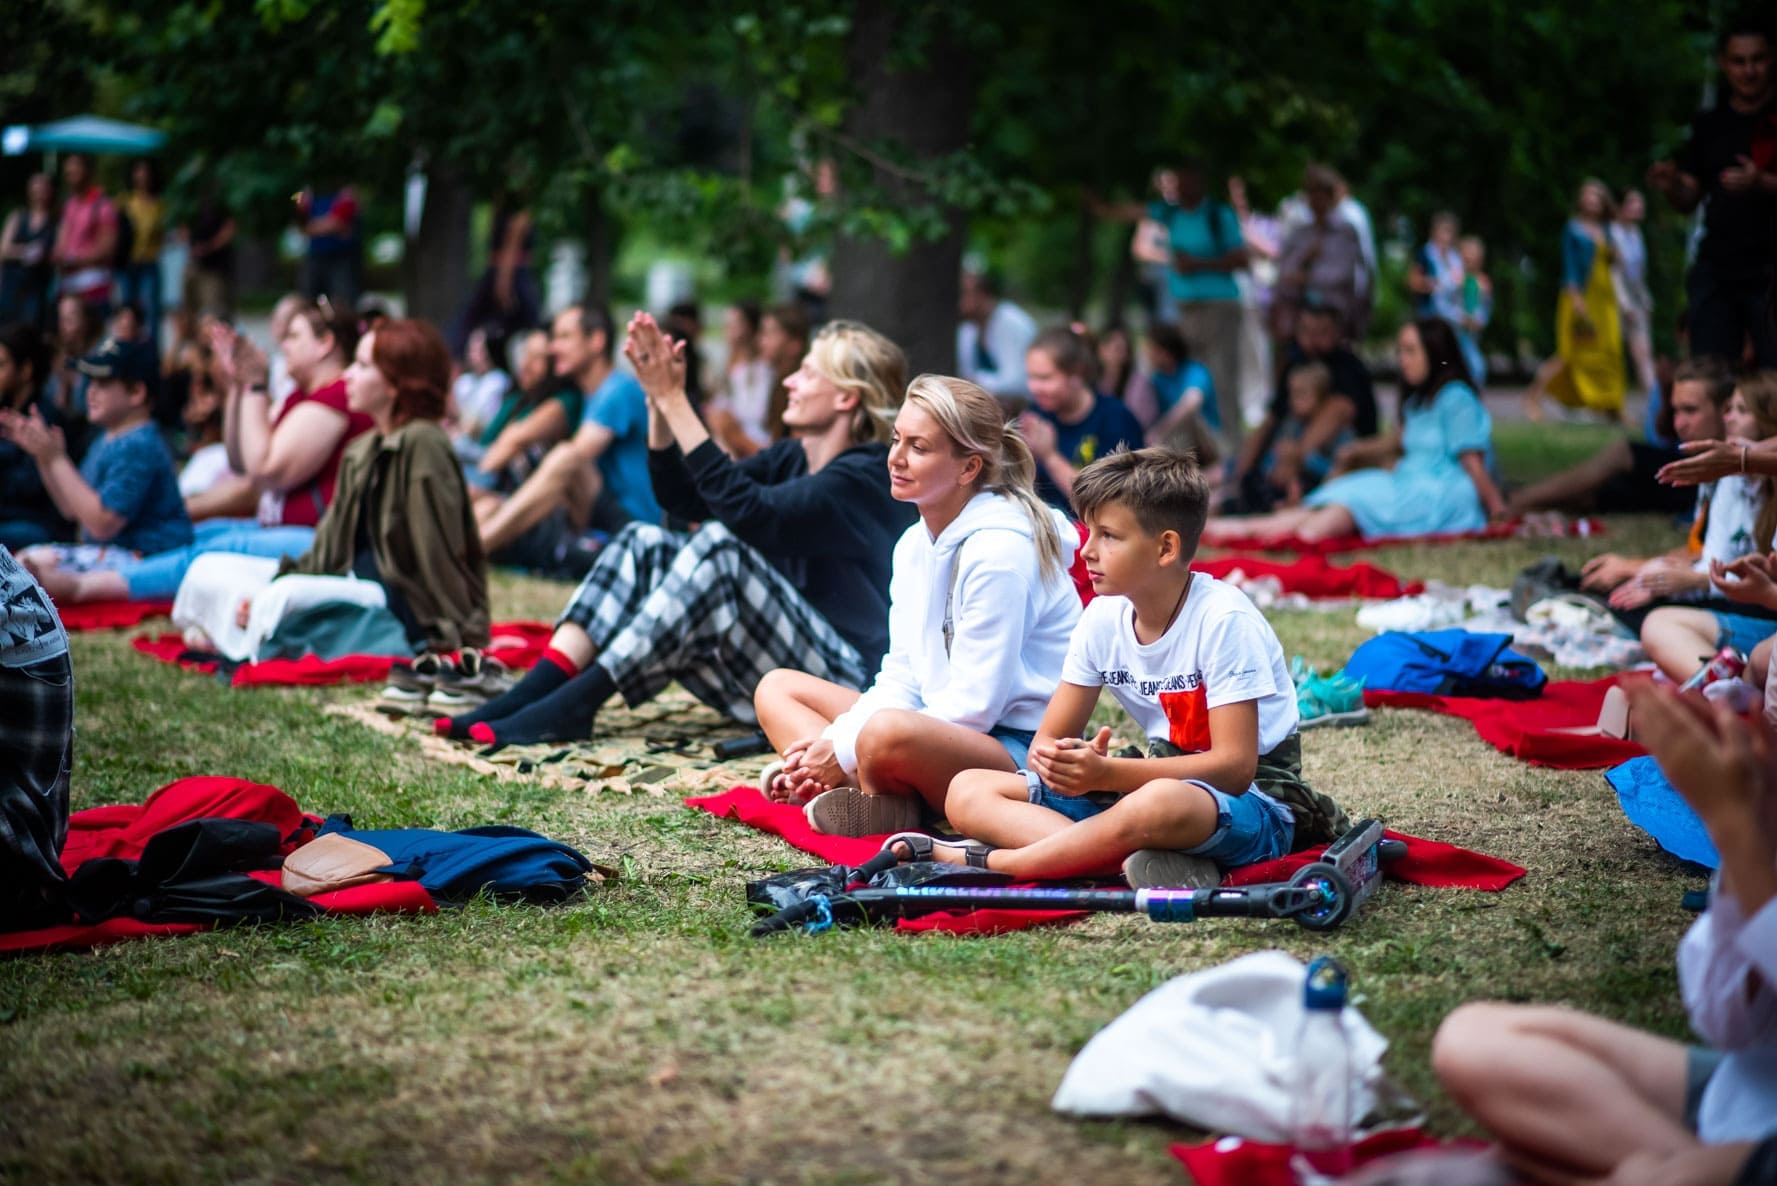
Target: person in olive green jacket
[{"x": 400, "y": 513}]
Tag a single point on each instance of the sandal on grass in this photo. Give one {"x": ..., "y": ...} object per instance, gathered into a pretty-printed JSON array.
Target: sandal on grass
[{"x": 921, "y": 847}]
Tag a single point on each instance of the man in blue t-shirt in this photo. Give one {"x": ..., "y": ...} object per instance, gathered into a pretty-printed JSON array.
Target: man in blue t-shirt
[
  {"x": 599, "y": 476},
  {"x": 125, "y": 495},
  {"x": 1070, "y": 425},
  {"x": 1207, "y": 249}
]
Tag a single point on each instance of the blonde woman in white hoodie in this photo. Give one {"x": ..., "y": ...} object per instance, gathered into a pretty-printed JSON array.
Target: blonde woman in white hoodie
[{"x": 980, "y": 613}]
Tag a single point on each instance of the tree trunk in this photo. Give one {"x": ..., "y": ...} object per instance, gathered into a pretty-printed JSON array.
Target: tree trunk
[
  {"x": 1085, "y": 260},
  {"x": 601, "y": 249},
  {"x": 436, "y": 269},
  {"x": 909, "y": 296}
]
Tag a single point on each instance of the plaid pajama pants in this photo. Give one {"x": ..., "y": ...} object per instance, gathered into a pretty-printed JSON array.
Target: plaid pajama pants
[
  {"x": 36, "y": 758},
  {"x": 706, "y": 610}
]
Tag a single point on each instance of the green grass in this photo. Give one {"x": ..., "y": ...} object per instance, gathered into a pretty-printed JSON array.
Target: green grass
[{"x": 637, "y": 1035}]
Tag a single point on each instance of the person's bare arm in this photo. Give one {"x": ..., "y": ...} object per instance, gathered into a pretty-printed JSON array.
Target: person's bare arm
[
  {"x": 286, "y": 457},
  {"x": 1074, "y": 767},
  {"x": 1680, "y": 188},
  {"x": 1474, "y": 463},
  {"x": 1708, "y": 460},
  {"x": 61, "y": 480},
  {"x": 8, "y": 246},
  {"x": 546, "y": 424}
]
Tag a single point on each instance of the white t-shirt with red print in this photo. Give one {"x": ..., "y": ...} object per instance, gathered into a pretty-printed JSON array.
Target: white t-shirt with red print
[{"x": 1219, "y": 651}]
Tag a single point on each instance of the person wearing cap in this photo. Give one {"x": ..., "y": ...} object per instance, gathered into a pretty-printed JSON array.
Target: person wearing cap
[{"x": 125, "y": 494}]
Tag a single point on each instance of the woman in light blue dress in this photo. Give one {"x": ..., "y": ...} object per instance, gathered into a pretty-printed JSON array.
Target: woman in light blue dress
[{"x": 1432, "y": 475}]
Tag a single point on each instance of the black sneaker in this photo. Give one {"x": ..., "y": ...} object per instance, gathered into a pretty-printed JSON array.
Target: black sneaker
[
  {"x": 472, "y": 682},
  {"x": 411, "y": 685}
]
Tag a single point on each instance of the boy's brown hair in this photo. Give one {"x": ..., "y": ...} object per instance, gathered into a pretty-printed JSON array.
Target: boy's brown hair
[{"x": 1162, "y": 488}]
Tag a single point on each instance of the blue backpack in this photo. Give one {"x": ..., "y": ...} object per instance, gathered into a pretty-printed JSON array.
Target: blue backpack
[{"x": 1446, "y": 663}]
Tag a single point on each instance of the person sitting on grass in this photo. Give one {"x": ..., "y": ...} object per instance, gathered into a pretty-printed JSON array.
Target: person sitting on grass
[
  {"x": 1625, "y": 475},
  {"x": 124, "y": 495},
  {"x": 1311, "y": 390},
  {"x": 1185, "y": 396},
  {"x": 1739, "y": 518},
  {"x": 400, "y": 514},
  {"x": 1571, "y": 1097},
  {"x": 980, "y": 609},
  {"x": 790, "y": 565},
  {"x": 1072, "y": 425},
  {"x": 1430, "y": 476},
  {"x": 1202, "y": 674},
  {"x": 600, "y": 474}
]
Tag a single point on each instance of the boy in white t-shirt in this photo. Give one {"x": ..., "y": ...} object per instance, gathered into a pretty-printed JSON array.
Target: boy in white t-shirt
[{"x": 1196, "y": 666}]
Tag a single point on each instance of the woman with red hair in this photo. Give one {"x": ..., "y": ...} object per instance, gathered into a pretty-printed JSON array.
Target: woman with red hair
[{"x": 400, "y": 514}]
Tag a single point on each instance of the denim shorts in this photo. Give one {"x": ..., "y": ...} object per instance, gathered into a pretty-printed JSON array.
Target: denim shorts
[
  {"x": 1248, "y": 829},
  {"x": 1742, "y": 631},
  {"x": 1016, "y": 741}
]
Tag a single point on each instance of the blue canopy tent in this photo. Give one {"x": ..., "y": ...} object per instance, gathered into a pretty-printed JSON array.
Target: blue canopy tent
[{"x": 81, "y": 133}]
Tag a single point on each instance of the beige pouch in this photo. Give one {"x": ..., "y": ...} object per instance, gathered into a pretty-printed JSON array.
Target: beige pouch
[{"x": 333, "y": 862}]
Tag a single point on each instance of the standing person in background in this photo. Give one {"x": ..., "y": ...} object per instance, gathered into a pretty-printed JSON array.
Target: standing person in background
[
  {"x": 25, "y": 246},
  {"x": 1587, "y": 370},
  {"x": 1437, "y": 269},
  {"x": 1263, "y": 235},
  {"x": 1729, "y": 167},
  {"x": 1474, "y": 308},
  {"x": 992, "y": 337},
  {"x": 138, "y": 278},
  {"x": 1322, "y": 259},
  {"x": 506, "y": 299},
  {"x": 1148, "y": 245},
  {"x": 1208, "y": 247},
  {"x": 1635, "y": 301},
  {"x": 738, "y": 414},
  {"x": 329, "y": 221},
  {"x": 86, "y": 238},
  {"x": 1358, "y": 215},
  {"x": 209, "y": 268},
  {"x": 478, "y": 391}
]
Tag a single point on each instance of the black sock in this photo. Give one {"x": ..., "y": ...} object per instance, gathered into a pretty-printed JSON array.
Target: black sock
[
  {"x": 544, "y": 677},
  {"x": 566, "y": 714}
]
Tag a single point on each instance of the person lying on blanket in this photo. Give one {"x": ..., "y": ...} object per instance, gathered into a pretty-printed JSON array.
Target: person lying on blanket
[
  {"x": 1430, "y": 476},
  {"x": 789, "y": 567},
  {"x": 1199, "y": 669},
  {"x": 980, "y": 609},
  {"x": 1571, "y": 1097}
]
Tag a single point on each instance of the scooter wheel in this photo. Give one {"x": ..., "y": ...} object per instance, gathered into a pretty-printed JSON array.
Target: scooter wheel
[{"x": 1331, "y": 897}]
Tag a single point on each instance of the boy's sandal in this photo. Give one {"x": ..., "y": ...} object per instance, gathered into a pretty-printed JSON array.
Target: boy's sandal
[{"x": 921, "y": 847}]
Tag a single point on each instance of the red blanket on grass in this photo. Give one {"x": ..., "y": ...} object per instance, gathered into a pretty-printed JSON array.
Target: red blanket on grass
[
  {"x": 1313, "y": 576},
  {"x": 123, "y": 831},
  {"x": 111, "y": 615},
  {"x": 530, "y": 639},
  {"x": 1231, "y": 1161},
  {"x": 1357, "y": 543},
  {"x": 1427, "y": 863},
  {"x": 1532, "y": 730}
]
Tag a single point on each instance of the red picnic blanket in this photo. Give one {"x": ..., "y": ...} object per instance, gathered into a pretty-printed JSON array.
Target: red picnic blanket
[
  {"x": 1314, "y": 576},
  {"x": 110, "y": 615},
  {"x": 1357, "y": 543},
  {"x": 1537, "y": 731},
  {"x": 1233, "y": 1161},
  {"x": 1427, "y": 862},
  {"x": 527, "y": 638},
  {"x": 124, "y": 830}
]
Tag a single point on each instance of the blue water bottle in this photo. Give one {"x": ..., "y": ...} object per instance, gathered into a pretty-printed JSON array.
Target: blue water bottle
[{"x": 1320, "y": 1114}]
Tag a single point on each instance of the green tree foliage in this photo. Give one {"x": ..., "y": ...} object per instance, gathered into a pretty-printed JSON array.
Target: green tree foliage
[{"x": 689, "y": 116}]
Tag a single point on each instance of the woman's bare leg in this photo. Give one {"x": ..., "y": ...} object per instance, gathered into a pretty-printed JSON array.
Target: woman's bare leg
[
  {"x": 1568, "y": 1095},
  {"x": 795, "y": 706},
  {"x": 1680, "y": 640},
  {"x": 909, "y": 753}
]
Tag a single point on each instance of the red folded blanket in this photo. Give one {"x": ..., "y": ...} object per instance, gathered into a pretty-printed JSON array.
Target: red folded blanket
[
  {"x": 1231, "y": 1161},
  {"x": 1535, "y": 731},
  {"x": 531, "y": 638},
  {"x": 1313, "y": 576},
  {"x": 1427, "y": 863},
  {"x": 110, "y": 615},
  {"x": 123, "y": 831}
]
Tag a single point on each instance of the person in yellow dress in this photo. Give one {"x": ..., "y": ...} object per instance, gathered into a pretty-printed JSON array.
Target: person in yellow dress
[{"x": 1587, "y": 370}]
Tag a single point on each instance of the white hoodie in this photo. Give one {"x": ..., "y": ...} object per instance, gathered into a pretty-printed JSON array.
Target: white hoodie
[{"x": 1010, "y": 628}]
